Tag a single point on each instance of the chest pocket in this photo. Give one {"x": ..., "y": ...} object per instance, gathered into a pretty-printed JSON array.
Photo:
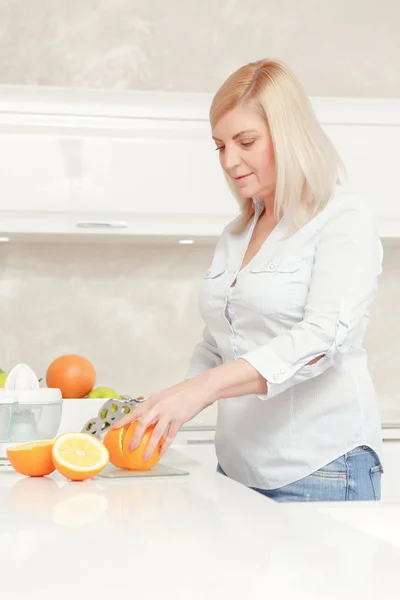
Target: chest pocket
[
  {"x": 215, "y": 271},
  {"x": 213, "y": 288},
  {"x": 278, "y": 285}
]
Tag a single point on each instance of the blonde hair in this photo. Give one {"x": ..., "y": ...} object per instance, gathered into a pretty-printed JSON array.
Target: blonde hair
[{"x": 307, "y": 164}]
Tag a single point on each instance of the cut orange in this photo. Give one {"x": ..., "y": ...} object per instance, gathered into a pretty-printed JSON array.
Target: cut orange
[
  {"x": 79, "y": 456},
  {"x": 134, "y": 458},
  {"x": 117, "y": 442},
  {"x": 33, "y": 459}
]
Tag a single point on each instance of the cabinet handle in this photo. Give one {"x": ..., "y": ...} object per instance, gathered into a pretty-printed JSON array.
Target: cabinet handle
[{"x": 102, "y": 224}]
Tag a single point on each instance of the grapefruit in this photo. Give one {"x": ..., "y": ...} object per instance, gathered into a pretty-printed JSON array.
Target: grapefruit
[{"x": 72, "y": 374}]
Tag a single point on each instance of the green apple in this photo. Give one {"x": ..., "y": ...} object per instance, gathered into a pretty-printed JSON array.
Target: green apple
[
  {"x": 3, "y": 377},
  {"x": 104, "y": 392}
]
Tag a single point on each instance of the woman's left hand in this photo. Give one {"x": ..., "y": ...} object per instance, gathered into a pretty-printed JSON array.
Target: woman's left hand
[{"x": 169, "y": 409}]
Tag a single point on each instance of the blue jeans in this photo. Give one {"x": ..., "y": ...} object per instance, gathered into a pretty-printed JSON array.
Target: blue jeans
[{"x": 354, "y": 476}]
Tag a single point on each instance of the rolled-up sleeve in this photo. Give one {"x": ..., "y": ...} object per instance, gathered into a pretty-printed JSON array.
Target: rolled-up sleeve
[
  {"x": 205, "y": 356},
  {"x": 348, "y": 261}
]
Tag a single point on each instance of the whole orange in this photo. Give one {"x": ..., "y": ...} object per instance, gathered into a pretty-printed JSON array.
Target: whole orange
[
  {"x": 74, "y": 375},
  {"x": 33, "y": 459}
]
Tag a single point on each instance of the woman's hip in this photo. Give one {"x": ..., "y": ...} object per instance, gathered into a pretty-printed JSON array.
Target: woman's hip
[{"x": 354, "y": 476}]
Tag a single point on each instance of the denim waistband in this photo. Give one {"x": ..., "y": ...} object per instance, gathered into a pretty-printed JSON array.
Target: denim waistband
[{"x": 359, "y": 450}]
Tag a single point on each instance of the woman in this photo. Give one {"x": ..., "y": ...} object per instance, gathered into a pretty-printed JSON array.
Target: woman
[{"x": 285, "y": 305}]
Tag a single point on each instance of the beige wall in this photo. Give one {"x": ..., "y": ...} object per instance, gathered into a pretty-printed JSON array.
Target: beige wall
[
  {"x": 337, "y": 48},
  {"x": 132, "y": 310}
]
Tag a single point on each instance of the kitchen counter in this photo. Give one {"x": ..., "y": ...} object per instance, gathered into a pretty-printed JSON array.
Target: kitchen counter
[{"x": 201, "y": 536}]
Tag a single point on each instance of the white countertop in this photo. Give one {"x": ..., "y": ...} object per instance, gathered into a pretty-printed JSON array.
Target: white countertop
[{"x": 202, "y": 536}]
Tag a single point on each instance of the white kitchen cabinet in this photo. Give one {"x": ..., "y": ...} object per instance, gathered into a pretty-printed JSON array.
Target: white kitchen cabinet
[
  {"x": 133, "y": 164},
  {"x": 364, "y": 159},
  {"x": 198, "y": 445},
  {"x": 203, "y": 453},
  {"x": 142, "y": 165},
  {"x": 33, "y": 176},
  {"x": 145, "y": 172}
]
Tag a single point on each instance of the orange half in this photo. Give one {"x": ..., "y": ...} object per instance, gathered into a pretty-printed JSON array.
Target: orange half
[
  {"x": 33, "y": 459},
  {"x": 79, "y": 456}
]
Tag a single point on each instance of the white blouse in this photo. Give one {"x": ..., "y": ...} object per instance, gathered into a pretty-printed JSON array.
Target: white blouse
[{"x": 298, "y": 298}]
